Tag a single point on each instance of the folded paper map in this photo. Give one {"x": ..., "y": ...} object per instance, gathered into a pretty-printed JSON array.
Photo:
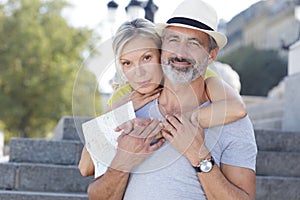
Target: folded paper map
[{"x": 100, "y": 137}]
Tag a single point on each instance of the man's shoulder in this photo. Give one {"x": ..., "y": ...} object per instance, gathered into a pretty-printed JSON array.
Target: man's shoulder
[
  {"x": 241, "y": 129},
  {"x": 234, "y": 143},
  {"x": 243, "y": 123}
]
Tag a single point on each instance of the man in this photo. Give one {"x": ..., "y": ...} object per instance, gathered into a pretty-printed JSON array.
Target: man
[{"x": 186, "y": 166}]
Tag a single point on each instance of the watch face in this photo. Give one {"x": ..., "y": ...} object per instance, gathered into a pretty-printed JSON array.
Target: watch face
[{"x": 206, "y": 166}]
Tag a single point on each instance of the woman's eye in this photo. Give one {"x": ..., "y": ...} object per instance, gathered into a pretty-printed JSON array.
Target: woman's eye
[
  {"x": 125, "y": 64},
  {"x": 147, "y": 57}
]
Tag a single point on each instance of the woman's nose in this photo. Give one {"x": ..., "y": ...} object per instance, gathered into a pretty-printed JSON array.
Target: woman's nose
[{"x": 139, "y": 70}]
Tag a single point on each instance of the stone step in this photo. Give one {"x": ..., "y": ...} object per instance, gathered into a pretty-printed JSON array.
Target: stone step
[
  {"x": 69, "y": 128},
  {"x": 277, "y": 188},
  {"x": 268, "y": 124},
  {"x": 253, "y": 100},
  {"x": 24, "y": 195},
  {"x": 41, "y": 177},
  {"x": 276, "y": 113},
  {"x": 275, "y": 140},
  {"x": 267, "y": 109},
  {"x": 8, "y": 175},
  {"x": 64, "y": 152},
  {"x": 272, "y": 163}
]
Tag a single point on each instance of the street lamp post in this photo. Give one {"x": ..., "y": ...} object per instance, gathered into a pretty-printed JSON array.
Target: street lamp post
[
  {"x": 150, "y": 10},
  {"x": 112, "y": 7},
  {"x": 135, "y": 10}
]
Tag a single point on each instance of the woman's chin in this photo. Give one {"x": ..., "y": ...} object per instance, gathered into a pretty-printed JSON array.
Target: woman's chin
[{"x": 148, "y": 89}]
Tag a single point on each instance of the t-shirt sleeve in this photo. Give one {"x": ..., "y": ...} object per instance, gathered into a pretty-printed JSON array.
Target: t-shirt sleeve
[
  {"x": 125, "y": 89},
  {"x": 239, "y": 144}
]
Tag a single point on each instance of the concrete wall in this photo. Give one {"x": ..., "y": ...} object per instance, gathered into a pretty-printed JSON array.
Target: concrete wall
[{"x": 294, "y": 59}]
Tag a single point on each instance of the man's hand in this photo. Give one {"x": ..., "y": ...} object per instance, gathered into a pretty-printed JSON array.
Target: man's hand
[
  {"x": 134, "y": 143},
  {"x": 187, "y": 138}
]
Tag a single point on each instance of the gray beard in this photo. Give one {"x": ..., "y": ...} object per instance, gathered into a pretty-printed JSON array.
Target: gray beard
[{"x": 184, "y": 75}]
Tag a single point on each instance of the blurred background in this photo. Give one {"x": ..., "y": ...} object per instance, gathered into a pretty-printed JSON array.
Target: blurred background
[{"x": 50, "y": 47}]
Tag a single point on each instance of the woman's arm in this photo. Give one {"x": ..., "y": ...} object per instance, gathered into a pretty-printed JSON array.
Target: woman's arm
[
  {"x": 227, "y": 105},
  {"x": 86, "y": 165}
]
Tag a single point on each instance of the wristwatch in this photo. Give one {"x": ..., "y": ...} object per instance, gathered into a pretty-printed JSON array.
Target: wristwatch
[{"x": 205, "y": 166}]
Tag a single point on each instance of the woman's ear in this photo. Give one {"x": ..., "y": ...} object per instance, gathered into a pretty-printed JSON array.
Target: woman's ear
[{"x": 213, "y": 55}]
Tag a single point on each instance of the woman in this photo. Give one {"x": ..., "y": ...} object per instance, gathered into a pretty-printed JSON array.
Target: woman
[{"x": 137, "y": 49}]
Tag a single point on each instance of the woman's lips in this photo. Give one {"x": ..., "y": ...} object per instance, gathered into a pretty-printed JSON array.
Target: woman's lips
[{"x": 143, "y": 83}]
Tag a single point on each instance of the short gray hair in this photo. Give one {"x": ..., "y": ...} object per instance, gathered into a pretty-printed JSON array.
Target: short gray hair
[
  {"x": 212, "y": 43},
  {"x": 127, "y": 32}
]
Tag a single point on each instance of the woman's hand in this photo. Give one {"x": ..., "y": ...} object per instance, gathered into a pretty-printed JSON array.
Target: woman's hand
[
  {"x": 134, "y": 143},
  {"x": 139, "y": 100}
]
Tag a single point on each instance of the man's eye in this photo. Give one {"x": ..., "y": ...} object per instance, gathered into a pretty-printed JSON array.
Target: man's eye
[
  {"x": 195, "y": 44},
  {"x": 173, "y": 40}
]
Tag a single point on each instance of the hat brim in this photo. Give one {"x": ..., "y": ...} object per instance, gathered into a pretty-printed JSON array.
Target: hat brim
[{"x": 220, "y": 38}]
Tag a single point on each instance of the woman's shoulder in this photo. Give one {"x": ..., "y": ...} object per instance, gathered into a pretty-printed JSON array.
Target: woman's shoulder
[
  {"x": 121, "y": 91},
  {"x": 210, "y": 73}
]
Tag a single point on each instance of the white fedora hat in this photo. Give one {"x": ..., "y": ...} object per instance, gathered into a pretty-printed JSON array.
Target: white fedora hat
[{"x": 196, "y": 14}]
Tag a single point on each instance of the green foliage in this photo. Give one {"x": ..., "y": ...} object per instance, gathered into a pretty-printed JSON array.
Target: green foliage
[
  {"x": 259, "y": 70},
  {"x": 39, "y": 57},
  {"x": 86, "y": 101}
]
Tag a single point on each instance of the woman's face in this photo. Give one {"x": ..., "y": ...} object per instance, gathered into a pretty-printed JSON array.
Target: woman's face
[{"x": 140, "y": 62}]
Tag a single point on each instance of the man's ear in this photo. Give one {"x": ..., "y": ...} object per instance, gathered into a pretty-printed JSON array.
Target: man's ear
[{"x": 213, "y": 55}]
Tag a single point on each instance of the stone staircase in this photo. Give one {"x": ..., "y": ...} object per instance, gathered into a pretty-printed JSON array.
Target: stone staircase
[
  {"x": 278, "y": 169},
  {"x": 267, "y": 114},
  {"x": 41, "y": 169}
]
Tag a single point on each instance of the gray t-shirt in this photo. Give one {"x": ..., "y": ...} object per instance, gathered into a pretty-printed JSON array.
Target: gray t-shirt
[{"x": 166, "y": 174}]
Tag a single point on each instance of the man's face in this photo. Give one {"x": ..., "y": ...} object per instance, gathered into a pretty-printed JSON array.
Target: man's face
[{"x": 184, "y": 54}]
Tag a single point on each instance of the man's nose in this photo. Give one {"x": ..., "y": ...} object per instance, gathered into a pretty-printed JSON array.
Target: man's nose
[{"x": 181, "y": 51}]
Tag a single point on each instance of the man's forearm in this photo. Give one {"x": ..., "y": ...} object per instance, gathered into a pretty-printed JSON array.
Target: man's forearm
[
  {"x": 217, "y": 186},
  {"x": 110, "y": 186}
]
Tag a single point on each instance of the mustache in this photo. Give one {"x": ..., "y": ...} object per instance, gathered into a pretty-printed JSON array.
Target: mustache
[{"x": 176, "y": 59}]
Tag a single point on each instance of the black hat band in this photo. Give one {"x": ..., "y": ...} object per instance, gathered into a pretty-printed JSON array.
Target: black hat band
[{"x": 190, "y": 22}]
